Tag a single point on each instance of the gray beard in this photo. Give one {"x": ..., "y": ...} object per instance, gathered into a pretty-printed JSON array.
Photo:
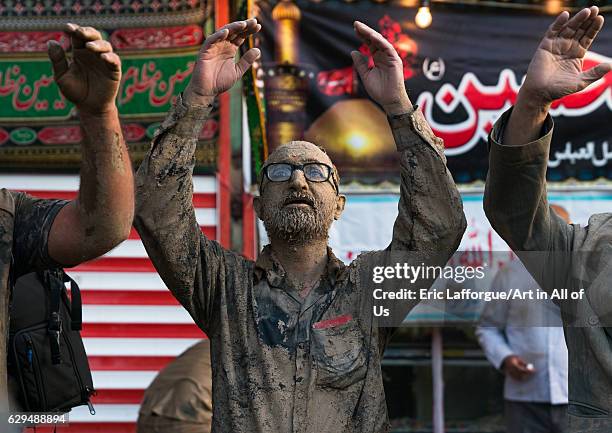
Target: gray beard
[{"x": 297, "y": 225}]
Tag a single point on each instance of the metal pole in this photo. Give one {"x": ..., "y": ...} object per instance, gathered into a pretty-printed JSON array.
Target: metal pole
[{"x": 438, "y": 381}]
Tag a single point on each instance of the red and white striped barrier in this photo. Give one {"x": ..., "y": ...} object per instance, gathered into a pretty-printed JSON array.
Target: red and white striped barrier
[{"x": 132, "y": 325}]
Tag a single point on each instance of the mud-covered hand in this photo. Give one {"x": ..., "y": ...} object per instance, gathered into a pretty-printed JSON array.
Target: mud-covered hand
[
  {"x": 216, "y": 70},
  {"x": 91, "y": 79},
  {"x": 384, "y": 82},
  {"x": 555, "y": 70}
]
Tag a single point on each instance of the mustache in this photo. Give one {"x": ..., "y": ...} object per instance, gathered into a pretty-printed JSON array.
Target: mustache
[{"x": 299, "y": 198}]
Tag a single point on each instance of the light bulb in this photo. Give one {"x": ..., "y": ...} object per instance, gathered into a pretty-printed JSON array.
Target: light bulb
[
  {"x": 553, "y": 7},
  {"x": 423, "y": 17}
]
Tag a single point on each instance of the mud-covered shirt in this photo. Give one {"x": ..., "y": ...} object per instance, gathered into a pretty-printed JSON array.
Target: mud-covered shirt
[
  {"x": 559, "y": 256},
  {"x": 25, "y": 223},
  {"x": 282, "y": 363}
]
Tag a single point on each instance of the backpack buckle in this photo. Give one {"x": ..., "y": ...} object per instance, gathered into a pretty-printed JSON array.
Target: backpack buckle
[
  {"x": 55, "y": 330},
  {"x": 55, "y": 322}
]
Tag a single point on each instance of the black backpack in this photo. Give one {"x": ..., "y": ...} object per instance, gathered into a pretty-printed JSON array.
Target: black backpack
[{"x": 46, "y": 355}]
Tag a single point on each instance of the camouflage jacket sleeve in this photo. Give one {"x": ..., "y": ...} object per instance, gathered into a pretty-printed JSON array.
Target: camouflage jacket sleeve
[
  {"x": 33, "y": 220},
  {"x": 430, "y": 218},
  {"x": 193, "y": 267}
]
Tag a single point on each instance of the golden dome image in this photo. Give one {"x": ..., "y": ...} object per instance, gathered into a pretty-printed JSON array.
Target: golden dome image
[
  {"x": 356, "y": 135},
  {"x": 286, "y": 10}
]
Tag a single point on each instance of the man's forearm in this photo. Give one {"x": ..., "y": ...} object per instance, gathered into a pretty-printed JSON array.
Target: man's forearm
[
  {"x": 404, "y": 105},
  {"x": 165, "y": 218},
  {"x": 430, "y": 216},
  {"x": 106, "y": 195},
  {"x": 515, "y": 193},
  {"x": 526, "y": 121},
  {"x": 101, "y": 217},
  {"x": 430, "y": 221},
  {"x": 171, "y": 157}
]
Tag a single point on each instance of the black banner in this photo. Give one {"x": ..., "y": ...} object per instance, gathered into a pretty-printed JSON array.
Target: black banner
[{"x": 464, "y": 71}]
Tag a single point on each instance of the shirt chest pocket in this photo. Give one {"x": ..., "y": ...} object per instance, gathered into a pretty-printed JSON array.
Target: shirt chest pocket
[{"x": 338, "y": 353}]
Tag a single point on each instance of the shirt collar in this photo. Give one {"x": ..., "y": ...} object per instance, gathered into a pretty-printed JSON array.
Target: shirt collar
[{"x": 267, "y": 265}]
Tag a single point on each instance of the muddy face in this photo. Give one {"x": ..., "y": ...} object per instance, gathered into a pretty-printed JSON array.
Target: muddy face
[{"x": 298, "y": 210}]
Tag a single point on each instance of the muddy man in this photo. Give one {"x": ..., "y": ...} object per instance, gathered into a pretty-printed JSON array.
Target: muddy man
[
  {"x": 558, "y": 255},
  {"x": 293, "y": 347}
]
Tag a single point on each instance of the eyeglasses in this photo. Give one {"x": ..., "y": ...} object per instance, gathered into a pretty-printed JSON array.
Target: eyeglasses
[{"x": 282, "y": 172}]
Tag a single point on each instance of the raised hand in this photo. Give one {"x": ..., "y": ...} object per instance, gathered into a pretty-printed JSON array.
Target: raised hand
[
  {"x": 216, "y": 70},
  {"x": 385, "y": 81},
  {"x": 91, "y": 79},
  {"x": 556, "y": 67}
]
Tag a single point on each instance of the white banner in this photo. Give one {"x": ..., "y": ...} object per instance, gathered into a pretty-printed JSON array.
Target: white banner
[
  {"x": 367, "y": 221},
  {"x": 367, "y": 224}
]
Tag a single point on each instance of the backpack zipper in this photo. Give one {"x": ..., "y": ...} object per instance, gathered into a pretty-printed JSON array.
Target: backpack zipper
[
  {"x": 78, "y": 375},
  {"x": 31, "y": 354}
]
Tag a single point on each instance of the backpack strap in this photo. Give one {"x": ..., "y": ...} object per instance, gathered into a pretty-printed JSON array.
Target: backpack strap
[
  {"x": 76, "y": 311},
  {"x": 11, "y": 277},
  {"x": 55, "y": 283},
  {"x": 7, "y": 204}
]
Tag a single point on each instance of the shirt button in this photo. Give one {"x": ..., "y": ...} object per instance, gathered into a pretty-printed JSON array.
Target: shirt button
[
  {"x": 418, "y": 127},
  {"x": 593, "y": 320}
]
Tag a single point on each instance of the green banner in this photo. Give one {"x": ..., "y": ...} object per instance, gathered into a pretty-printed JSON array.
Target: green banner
[
  {"x": 148, "y": 85},
  {"x": 28, "y": 92}
]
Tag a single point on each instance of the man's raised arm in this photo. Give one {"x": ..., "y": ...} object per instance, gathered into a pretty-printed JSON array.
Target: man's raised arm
[
  {"x": 430, "y": 221},
  {"x": 430, "y": 218},
  {"x": 515, "y": 195},
  {"x": 191, "y": 266},
  {"x": 101, "y": 216}
]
